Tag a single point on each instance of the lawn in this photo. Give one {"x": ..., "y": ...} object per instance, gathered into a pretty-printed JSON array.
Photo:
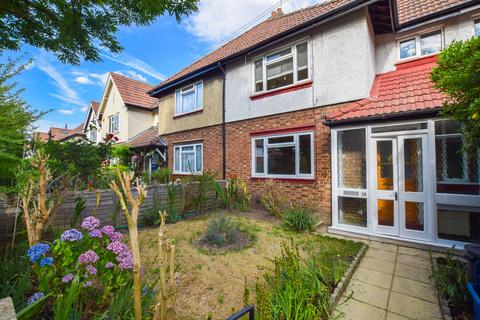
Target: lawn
[{"x": 213, "y": 284}]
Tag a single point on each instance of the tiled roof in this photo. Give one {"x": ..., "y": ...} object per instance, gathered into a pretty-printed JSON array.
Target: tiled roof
[
  {"x": 95, "y": 105},
  {"x": 146, "y": 138},
  {"x": 58, "y": 133},
  {"x": 409, "y": 10},
  {"x": 77, "y": 131},
  {"x": 41, "y": 136},
  {"x": 408, "y": 89},
  {"x": 133, "y": 92},
  {"x": 260, "y": 33}
]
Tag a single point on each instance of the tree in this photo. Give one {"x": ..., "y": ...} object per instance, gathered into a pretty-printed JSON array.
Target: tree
[
  {"x": 458, "y": 77},
  {"x": 16, "y": 119},
  {"x": 74, "y": 29}
]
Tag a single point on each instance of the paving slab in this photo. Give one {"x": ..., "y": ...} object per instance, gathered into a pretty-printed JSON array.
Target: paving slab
[
  {"x": 414, "y": 260},
  {"x": 378, "y": 264},
  {"x": 384, "y": 246},
  {"x": 417, "y": 273},
  {"x": 414, "y": 288},
  {"x": 368, "y": 293},
  {"x": 383, "y": 254},
  {"x": 413, "y": 308},
  {"x": 414, "y": 252},
  {"x": 355, "y": 310},
  {"x": 377, "y": 278}
]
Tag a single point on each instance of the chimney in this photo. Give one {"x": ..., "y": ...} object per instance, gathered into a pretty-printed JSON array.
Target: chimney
[
  {"x": 274, "y": 13},
  {"x": 65, "y": 130},
  {"x": 279, "y": 12}
]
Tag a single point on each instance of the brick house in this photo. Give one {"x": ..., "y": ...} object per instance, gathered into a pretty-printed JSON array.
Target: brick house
[{"x": 335, "y": 101}]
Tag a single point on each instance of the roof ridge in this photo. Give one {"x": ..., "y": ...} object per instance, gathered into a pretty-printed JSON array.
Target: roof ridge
[
  {"x": 142, "y": 132},
  {"x": 131, "y": 79}
]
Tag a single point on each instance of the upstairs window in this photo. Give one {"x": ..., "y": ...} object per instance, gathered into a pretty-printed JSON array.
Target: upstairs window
[
  {"x": 421, "y": 45},
  {"x": 283, "y": 156},
  {"x": 282, "y": 68},
  {"x": 189, "y": 98},
  {"x": 113, "y": 126},
  {"x": 476, "y": 28},
  {"x": 188, "y": 158}
]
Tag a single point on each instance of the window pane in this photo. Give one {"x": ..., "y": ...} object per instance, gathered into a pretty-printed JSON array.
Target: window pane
[
  {"x": 199, "y": 95},
  {"x": 198, "y": 155},
  {"x": 176, "y": 160},
  {"x": 259, "y": 75},
  {"x": 458, "y": 225},
  {"x": 477, "y": 27},
  {"x": 187, "y": 148},
  {"x": 431, "y": 43},
  {"x": 400, "y": 127},
  {"x": 284, "y": 139},
  {"x": 351, "y": 159},
  {"x": 302, "y": 61},
  {"x": 408, "y": 49},
  {"x": 447, "y": 127},
  {"x": 187, "y": 161},
  {"x": 188, "y": 102},
  {"x": 281, "y": 160},
  {"x": 305, "y": 154},
  {"x": 352, "y": 211},
  {"x": 385, "y": 211},
  {"x": 279, "y": 54},
  {"x": 280, "y": 74},
  {"x": 413, "y": 162},
  {"x": 178, "y": 102},
  {"x": 385, "y": 165},
  {"x": 259, "y": 156},
  {"x": 414, "y": 217}
]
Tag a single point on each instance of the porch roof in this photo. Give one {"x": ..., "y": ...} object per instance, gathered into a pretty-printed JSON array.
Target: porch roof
[
  {"x": 407, "y": 90},
  {"x": 147, "y": 138}
]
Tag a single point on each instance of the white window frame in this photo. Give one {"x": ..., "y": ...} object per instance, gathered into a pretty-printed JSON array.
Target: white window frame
[
  {"x": 93, "y": 135},
  {"x": 111, "y": 125},
  {"x": 418, "y": 49},
  {"x": 293, "y": 54},
  {"x": 181, "y": 146},
  {"x": 295, "y": 143},
  {"x": 183, "y": 91}
]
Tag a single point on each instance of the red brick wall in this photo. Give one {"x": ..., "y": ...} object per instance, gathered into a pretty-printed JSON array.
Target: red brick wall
[
  {"x": 315, "y": 194},
  {"x": 211, "y": 137}
]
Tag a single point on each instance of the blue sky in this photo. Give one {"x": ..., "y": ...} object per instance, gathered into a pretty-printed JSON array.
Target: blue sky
[{"x": 151, "y": 54}]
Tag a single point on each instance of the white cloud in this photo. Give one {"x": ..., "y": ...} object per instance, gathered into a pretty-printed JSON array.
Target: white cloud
[
  {"x": 84, "y": 109},
  {"x": 64, "y": 91},
  {"x": 66, "y": 111},
  {"x": 83, "y": 80},
  {"x": 88, "y": 78},
  {"x": 135, "y": 75},
  {"x": 218, "y": 19},
  {"x": 132, "y": 62}
]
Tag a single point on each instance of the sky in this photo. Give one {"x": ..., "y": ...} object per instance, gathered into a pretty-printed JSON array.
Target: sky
[{"x": 151, "y": 54}]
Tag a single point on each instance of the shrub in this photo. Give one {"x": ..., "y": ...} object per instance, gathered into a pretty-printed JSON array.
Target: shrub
[
  {"x": 234, "y": 194},
  {"x": 150, "y": 217},
  {"x": 205, "y": 182},
  {"x": 298, "y": 219},
  {"x": 162, "y": 175},
  {"x": 221, "y": 231},
  {"x": 272, "y": 198}
]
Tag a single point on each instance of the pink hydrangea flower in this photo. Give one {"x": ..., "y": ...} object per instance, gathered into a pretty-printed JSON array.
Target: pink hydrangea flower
[
  {"x": 90, "y": 223},
  {"x": 109, "y": 265},
  {"x": 67, "y": 278},
  {"x": 88, "y": 257},
  {"x": 117, "y": 247},
  {"x": 108, "y": 230},
  {"x": 91, "y": 270},
  {"x": 117, "y": 236}
]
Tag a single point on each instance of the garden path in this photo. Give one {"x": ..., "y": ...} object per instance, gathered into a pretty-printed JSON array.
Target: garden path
[{"x": 391, "y": 282}]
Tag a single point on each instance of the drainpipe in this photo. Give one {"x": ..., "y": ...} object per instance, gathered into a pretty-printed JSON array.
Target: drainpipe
[{"x": 224, "y": 145}]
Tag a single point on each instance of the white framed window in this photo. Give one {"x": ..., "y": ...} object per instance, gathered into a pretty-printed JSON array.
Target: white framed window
[
  {"x": 421, "y": 45},
  {"x": 113, "y": 123},
  {"x": 283, "y": 156},
  {"x": 189, "y": 98},
  {"x": 476, "y": 27},
  {"x": 188, "y": 158},
  {"x": 93, "y": 135},
  {"x": 281, "y": 68}
]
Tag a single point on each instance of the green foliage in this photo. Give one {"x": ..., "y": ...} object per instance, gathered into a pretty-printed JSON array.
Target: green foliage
[
  {"x": 295, "y": 289},
  {"x": 221, "y": 231},
  {"x": 162, "y": 175},
  {"x": 123, "y": 154},
  {"x": 16, "y": 119},
  {"x": 298, "y": 219},
  {"x": 234, "y": 194},
  {"x": 150, "y": 217},
  {"x": 205, "y": 182},
  {"x": 457, "y": 75},
  {"x": 451, "y": 278},
  {"x": 76, "y": 30},
  {"x": 31, "y": 310},
  {"x": 65, "y": 306},
  {"x": 172, "y": 214},
  {"x": 79, "y": 159},
  {"x": 80, "y": 205},
  {"x": 272, "y": 198}
]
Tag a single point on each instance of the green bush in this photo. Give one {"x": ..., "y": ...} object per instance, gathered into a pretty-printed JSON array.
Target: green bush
[
  {"x": 272, "y": 198},
  {"x": 298, "y": 219},
  {"x": 222, "y": 231},
  {"x": 162, "y": 175},
  {"x": 150, "y": 218}
]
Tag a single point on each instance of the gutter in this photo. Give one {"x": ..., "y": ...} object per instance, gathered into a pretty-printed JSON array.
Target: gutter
[
  {"x": 328, "y": 16},
  {"x": 384, "y": 117},
  {"x": 224, "y": 129}
]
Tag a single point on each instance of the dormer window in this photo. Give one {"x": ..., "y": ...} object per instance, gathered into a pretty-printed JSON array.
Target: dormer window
[
  {"x": 281, "y": 68},
  {"x": 421, "y": 45},
  {"x": 189, "y": 98}
]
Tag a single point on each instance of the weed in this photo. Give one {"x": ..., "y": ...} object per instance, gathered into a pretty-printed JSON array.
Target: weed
[
  {"x": 298, "y": 219},
  {"x": 272, "y": 198}
]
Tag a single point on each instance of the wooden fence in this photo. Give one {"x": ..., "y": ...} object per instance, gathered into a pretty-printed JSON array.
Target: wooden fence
[{"x": 109, "y": 211}]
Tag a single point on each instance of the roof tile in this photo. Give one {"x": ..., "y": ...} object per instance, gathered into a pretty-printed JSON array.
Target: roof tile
[{"x": 133, "y": 92}]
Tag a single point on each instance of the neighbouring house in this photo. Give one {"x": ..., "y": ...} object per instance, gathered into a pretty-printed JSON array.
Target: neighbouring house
[
  {"x": 335, "y": 101},
  {"x": 127, "y": 112},
  {"x": 60, "y": 134}
]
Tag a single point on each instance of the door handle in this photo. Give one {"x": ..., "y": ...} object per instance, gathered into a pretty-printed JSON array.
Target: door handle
[{"x": 396, "y": 196}]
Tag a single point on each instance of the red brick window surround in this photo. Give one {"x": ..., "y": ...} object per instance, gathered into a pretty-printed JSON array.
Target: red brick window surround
[{"x": 283, "y": 154}]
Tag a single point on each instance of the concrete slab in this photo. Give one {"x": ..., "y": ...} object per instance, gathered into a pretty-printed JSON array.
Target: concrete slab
[
  {"x": 413, "y": 308},
  {"x": 355, "y": 310},
  {"x": 378, "y": 264},
  {"x": 414, "y": 273},
  {"x": 414, "y": 288},
  {"x": 368, "y": 293},
  {"x": 377, "y": 278}
]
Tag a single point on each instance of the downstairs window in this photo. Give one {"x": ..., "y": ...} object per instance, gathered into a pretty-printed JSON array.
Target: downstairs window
[{"x": 188, "y": 158}]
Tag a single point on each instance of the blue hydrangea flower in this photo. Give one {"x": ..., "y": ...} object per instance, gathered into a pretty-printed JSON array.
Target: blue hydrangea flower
[
  {"x": 37, "y": 250},
  {"x": 71, "y": 235},
  {"x": 48, "y": 261},
  {"x": 36, "y": 296}
]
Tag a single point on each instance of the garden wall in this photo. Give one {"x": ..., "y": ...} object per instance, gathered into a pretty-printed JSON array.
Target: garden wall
[{"x": 109, "y": 210}]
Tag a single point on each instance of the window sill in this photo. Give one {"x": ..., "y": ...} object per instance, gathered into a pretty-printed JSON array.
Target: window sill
[
  {"x": 290, "y": 88},
  {"x": 293, "y": 180},
  {"x": 186, "y": 173},
  {"x": 187, "y": 113},
  {"x": 415, "y": 61}
]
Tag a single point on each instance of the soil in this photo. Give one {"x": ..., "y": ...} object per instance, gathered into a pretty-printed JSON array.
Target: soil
[{"x": 244, "y": 240}]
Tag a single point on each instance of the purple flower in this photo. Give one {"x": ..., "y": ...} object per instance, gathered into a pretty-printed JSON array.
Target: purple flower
[
  {"x": 109, "y": 265},
  {"x": 91, "y": 269},
  {"x": 108, "y": 230},
  {"x": 117, "y": 236},
  {"x": 126, "y": 263},
  {"x": 36, "y": 251},
  {"x": 36, "y": 296},
  {"x": 90, "y": 223},
  {"x": 48, "y": 261},
  {"x": 95, "y": 233},
  {"x": 117, "y": 247},
  {"x": 88, "y": 257},
  {"x": 89, "y": 283},
  {"x": 71, "y": 235},
  {"x": 67, "y": 278}
]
